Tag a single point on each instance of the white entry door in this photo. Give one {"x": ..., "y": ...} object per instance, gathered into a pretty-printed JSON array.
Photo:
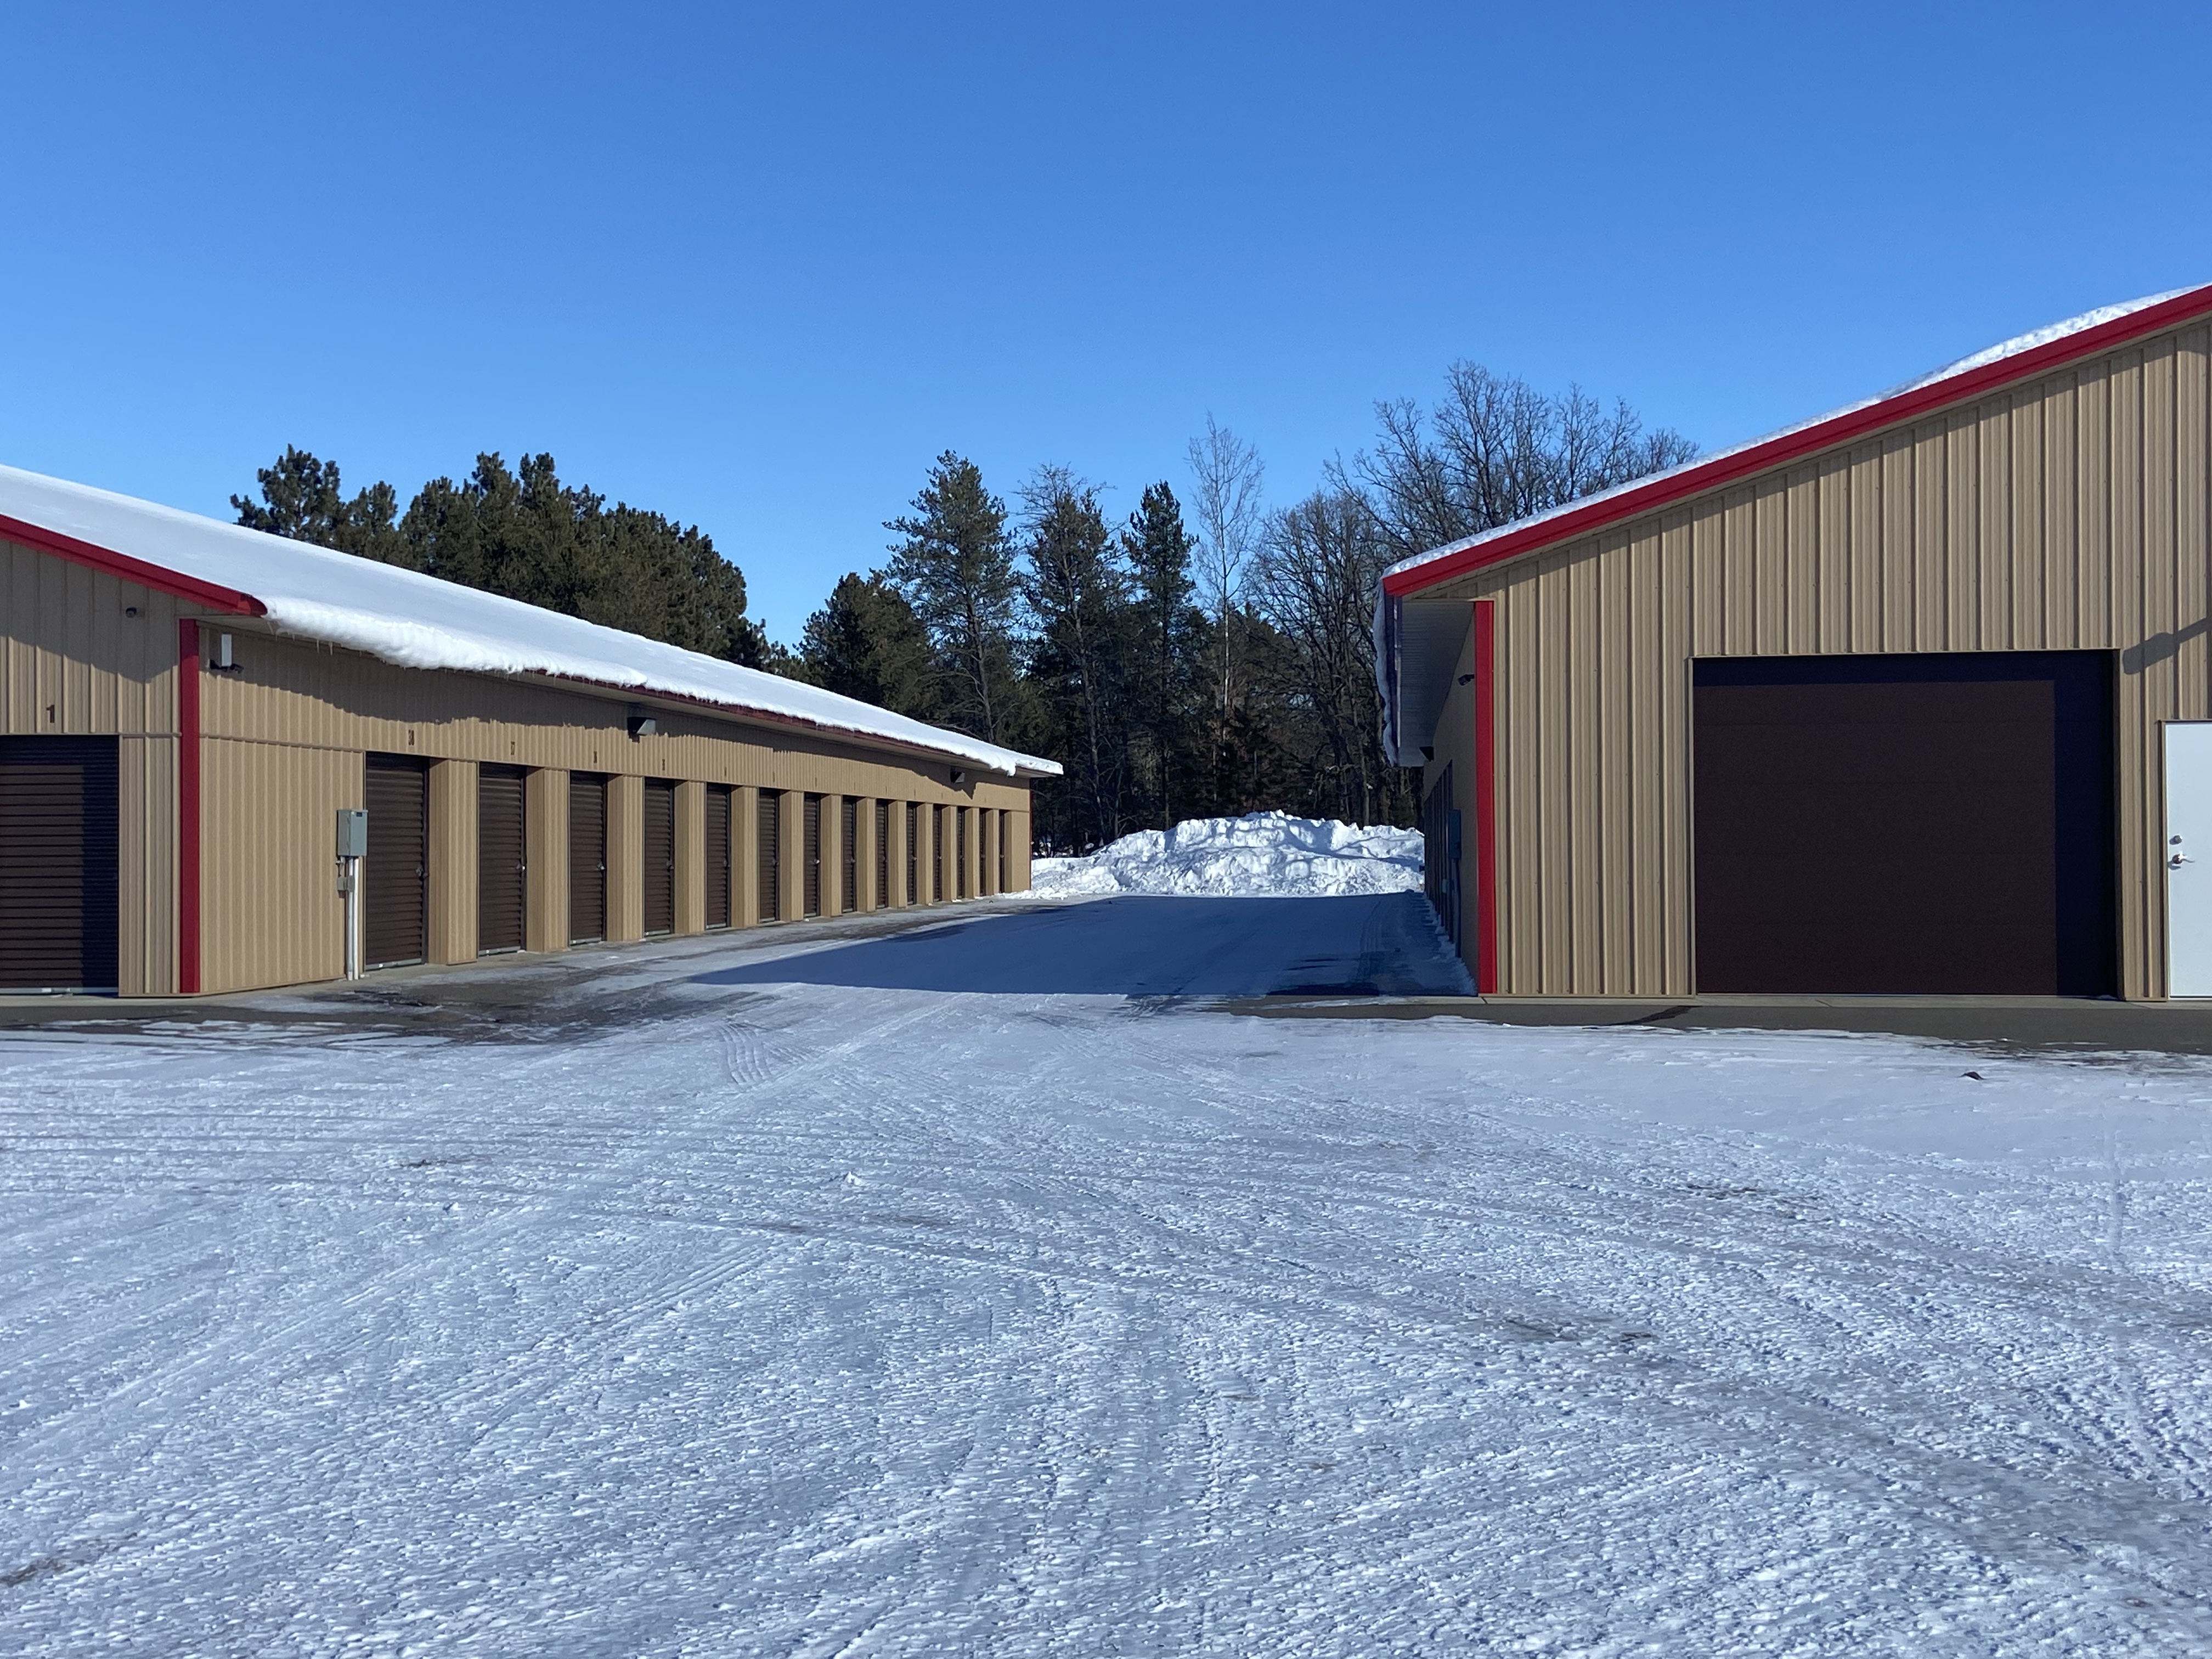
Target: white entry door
[{"x": 2188, "y": 858}]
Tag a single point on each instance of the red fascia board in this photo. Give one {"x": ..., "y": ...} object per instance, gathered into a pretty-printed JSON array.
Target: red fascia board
[
  {"x": 1724, "y": 470},
  {"x": 212, "y": 595},
  {"x": 738, "y": 711}
]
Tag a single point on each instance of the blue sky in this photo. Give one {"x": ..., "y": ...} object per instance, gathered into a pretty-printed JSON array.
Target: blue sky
[{"x": 755, "y": 267}]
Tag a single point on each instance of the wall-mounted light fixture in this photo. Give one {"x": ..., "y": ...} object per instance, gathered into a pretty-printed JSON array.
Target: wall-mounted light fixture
[
  {"x": 225, "y": 662},
  {"x": 959, "y": 777},
  {"x": 643, "y": 726}
]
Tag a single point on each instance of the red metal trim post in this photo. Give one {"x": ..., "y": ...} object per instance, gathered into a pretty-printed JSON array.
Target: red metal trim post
[
  {"x": 188, "y": 808},
  {"x": 1486, "y": 796}
]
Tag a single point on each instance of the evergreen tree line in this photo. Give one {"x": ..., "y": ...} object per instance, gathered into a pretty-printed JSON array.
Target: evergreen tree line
[
  {"x": 525, "y": 534},
  {"x": 1207, "y": 655}
]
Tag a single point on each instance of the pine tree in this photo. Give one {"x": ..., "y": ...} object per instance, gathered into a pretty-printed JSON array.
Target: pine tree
[
  {"x": 301, "y": 498},
  {"x": 526, "y": 535},
  {"x": 1171, "y": 634},
  {"x": 866, "y": 642},
  {"x": 1080, "y": 661},
  {"x": 956, "y": 567}
]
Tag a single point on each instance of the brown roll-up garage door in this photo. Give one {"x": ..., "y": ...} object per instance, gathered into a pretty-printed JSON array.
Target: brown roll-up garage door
[
  {"x": 718, "y": 855},
  {"x": 587, "y": 857},
  {"x": 503, "y": 879},
  {"x": 849, "y": 854},
  {"x": 768, "y": 849},
  {"x": 395, "y": 876},
  {"x": 960, "y": 850},
  {"x": 883, "y": 854},
  {"x": 810, "y": 855},
  {"x": 914, "y": 852},
  {"x": 1936, "y": 823},
  {"x": 58, "y": 864},
  {"x": 936, "y": 854},
  {"x": 659, "y": 856}
]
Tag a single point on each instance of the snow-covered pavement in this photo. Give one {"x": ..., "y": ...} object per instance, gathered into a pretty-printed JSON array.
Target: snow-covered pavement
[{"x": 946, "y": 1294}]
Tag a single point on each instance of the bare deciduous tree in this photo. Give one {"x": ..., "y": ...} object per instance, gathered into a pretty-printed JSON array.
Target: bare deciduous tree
[
  {"x": 1313, "y": 577},
  {"x": 1494, "y": 450},
  {"x": 1226, "y": 512}
]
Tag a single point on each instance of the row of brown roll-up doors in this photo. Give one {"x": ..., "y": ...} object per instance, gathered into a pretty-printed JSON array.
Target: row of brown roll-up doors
[
  {"x": 58, "y": 852},
  {"x": 948, "y": 861},
  {"x": 395, "y": 918}
]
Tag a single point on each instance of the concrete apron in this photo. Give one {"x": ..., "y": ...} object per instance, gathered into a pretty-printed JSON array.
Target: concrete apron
[{"x": 2183, "y": 1027}]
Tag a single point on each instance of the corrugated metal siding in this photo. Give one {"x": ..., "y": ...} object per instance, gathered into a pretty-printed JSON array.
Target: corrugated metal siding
[
  {"x": 270, "y": 913},
  {"x": 73, "y": 661},
  {"x": 289, "y": 691},
  {"x": 455, "y": 873},
  {"x": 284, "y": 740},
  {"x": 546, "y": 822},
  {"x": 147, "y": 866},
  {"x": 2066, "y": 513}
]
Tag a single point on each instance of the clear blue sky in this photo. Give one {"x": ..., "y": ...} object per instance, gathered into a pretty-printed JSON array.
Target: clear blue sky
[{"x": 754, "y": 267}]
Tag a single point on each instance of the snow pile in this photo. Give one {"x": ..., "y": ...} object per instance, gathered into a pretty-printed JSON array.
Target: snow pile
[
  {"x": 415, "y": 621},
  {"x": 1260, "y": 856}
]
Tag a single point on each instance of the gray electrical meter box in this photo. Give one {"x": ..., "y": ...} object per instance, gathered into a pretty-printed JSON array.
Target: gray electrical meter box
[{"x": 353, "y": 833}]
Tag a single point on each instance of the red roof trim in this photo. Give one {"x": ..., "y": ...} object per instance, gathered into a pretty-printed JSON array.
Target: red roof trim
[
  {"x": 1696, "y": 479},
  {"x": 213, "y": 595}
]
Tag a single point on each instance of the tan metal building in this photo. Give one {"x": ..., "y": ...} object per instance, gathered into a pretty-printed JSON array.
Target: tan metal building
[
  {"x": 188, "y": 707},
  {"x": 1912, "y": 698}
]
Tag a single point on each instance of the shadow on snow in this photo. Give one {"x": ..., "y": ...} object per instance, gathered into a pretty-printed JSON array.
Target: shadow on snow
[{"x": 1140, "y": 945}]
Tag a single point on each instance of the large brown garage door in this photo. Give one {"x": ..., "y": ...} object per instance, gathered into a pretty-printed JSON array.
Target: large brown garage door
[
  {"x": 1939, "y": 824},
  {"x": 502, "y": 880},
  {"x": 58, "y": 864},
  {"x": 395, "y": 876},
  {"x": 587, "y": 857},
  {"x": 659, "y": 849}
]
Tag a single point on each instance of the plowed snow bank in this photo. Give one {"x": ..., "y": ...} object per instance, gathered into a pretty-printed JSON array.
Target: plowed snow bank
[{"x": 1260, "y": 856}]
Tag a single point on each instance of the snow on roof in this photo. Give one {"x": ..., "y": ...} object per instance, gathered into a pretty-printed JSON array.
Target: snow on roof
[
  {"x": 415, "y": 621},
  {"x": 2015, "y": 347}
]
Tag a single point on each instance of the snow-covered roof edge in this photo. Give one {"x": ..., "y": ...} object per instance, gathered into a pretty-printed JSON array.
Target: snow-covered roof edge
[
  {"x": 414, "y": 621},
  {"x": 2020, "y": 346}
]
